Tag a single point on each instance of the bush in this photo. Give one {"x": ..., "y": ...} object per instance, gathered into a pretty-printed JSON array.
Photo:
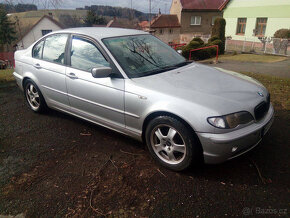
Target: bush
[
  {"x": 218, "y": 31},
  {"x": 213, "y": 38},
  {"x": 192, "y": 45},
  {"x": 216, "y": 42},
  {"x": 282, "y": 33},
  {"x": 199, "y": 40}
]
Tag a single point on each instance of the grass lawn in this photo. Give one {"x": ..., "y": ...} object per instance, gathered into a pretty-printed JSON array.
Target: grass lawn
[
  {"x": 278, "y": 87},
  {"x": 252, "y": 58},
  {"x": 6, "y": 76}
]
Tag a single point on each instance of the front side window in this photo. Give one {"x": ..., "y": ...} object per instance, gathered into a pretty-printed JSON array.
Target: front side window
[
  {"x": 54, "y": 48},
  {"x": 85, "y": 55},
  {"x": 143, "y": 55},
  {"x": 241, "y": 27},
  {"x": 44, "y": 32},
  {"x": 261, "y": 26},
  {"x": 195, "y": 20},
  {"x": 37, "y": 50}
]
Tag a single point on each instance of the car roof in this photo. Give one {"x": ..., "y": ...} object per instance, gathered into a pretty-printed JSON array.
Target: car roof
[{"x": 102, "y": 32}]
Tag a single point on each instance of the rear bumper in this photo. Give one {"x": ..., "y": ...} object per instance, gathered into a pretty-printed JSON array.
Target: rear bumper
[
  {"x": 218, "y": 148},
  {"x": 18, "y": 79}
]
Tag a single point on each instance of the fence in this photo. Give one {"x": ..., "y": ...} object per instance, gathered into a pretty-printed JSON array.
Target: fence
[
  {"x": 8, "y": 57},
  {"x": 275, "y": 46},
  {"x": 175, "y": 46},
  {"x": 212, "y": 46}
]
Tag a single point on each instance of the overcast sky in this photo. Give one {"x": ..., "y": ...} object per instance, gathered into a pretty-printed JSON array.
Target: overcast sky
[{"x": 141, "y": 5}]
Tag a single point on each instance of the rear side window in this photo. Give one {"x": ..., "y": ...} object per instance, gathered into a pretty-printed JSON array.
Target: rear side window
[
  {"x": 85, "y": 55},
  {"x": 37, "y": 50},
  {"x": 54, "y": 48}
]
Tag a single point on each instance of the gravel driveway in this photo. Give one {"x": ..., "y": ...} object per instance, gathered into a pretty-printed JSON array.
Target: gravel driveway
[{"x": 54, "y": 165}]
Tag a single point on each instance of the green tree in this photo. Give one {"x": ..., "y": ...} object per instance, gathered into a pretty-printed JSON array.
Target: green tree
[
  {"x": 7, "y": 29},
  {"x": 92, "y": 18},
  {"x": 218, "y": 30}
]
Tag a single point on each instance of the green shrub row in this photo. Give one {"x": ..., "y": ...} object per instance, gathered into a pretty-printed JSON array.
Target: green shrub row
[{"x": 199, "y": 43}]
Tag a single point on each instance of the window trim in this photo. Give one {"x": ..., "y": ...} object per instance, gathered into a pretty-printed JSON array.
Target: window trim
[
  {"x": 85, "y": 40},
  {"x": 42, "y": 40},
  {"x": 115, "y": 69},
  {"x": 263, "y": 24},
  {"x": 191, "y": 24},
  {"x": 243, "y": 24}
]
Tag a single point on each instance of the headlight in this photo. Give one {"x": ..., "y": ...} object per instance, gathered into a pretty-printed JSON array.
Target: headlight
[{"x": 231, "y": 120}]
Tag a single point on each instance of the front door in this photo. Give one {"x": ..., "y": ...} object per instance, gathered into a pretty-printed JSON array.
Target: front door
[{"x": 98, "y": 99}]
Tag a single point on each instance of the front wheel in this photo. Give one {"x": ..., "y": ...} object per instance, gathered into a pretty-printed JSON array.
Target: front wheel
[
  {"x": 34, "y": 97},
  {"x": 171, "y": 143}
]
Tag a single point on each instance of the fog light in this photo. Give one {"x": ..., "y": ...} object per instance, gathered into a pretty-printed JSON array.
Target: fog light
[{"x": 234, "y": 149}]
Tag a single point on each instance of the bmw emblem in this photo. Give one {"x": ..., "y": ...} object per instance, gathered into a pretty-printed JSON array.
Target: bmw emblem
[{"x": 261, "y": 94}]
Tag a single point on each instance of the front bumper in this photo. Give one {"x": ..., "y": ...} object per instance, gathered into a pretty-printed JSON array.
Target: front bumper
[{"x": 218, "y": 148}]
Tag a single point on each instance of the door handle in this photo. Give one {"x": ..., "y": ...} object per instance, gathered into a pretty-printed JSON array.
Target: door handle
[
  {"x": 37, "y": 66},
  {"x": 72, "y": 76}
]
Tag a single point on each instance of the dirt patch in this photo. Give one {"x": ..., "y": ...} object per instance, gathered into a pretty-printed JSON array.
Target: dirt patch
[{"x": 55, "y": 165}]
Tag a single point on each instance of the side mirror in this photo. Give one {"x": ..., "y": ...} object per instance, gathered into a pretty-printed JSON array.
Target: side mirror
[
  {"x": 101, "y": 72},
  {"x": 179, "y": 51}
]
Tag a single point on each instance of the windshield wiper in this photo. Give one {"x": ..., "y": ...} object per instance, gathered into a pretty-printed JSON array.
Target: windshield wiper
[{"x": 163, "y": 69}]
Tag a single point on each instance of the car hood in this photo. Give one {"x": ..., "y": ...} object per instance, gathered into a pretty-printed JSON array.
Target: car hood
[{"x": 212, "y": 87}]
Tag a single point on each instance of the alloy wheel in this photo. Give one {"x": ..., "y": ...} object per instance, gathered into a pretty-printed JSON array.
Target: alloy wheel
[{"x": 168, "y": 144}]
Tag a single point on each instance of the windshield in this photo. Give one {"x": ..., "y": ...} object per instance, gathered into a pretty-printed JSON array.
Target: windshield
[{"x": 143, "y": 55}]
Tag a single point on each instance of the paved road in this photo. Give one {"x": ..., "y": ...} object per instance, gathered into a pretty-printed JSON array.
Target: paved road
[
  {"x": 279, "y": 69},
  {"x": 53, "y": 165}
]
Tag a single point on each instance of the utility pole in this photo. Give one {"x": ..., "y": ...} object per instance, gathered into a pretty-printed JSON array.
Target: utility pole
[
  {"x": 149, "y": 15},
  {"x": 132, "y": 15}
]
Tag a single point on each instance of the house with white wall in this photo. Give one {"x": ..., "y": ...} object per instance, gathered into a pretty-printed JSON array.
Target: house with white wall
[
  {"x": 250, "y": 19},
  {"x": 45, "y": 25}
]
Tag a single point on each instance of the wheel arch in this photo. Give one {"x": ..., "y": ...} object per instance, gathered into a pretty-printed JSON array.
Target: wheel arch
[{"x": 165, "y": 113}]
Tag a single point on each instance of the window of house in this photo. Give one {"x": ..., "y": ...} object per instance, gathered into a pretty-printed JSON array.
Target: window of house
[
  {"x": 241, "y": 27},
  {"x": 261, "y": 26},
  {"x": 213, "y": 19},
  {"x": 44, "y": 32},
  {"x": 161, "y": 31},
  {"x": 195, "y": 20},
  {"x": 54, "y": 48},
  {"x": 37, "y": 50},
  {"x": 170, "y": 31},
  {"x": 85, "y": 55}
]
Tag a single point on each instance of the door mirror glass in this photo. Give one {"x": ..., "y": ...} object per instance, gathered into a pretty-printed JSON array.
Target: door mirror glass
[{"x": 101, "y": 72}]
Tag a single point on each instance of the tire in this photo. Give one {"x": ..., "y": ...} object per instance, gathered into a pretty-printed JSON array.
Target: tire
[
  {"x": 34, "y": 97},
  {"x": 172, "y": 144}
]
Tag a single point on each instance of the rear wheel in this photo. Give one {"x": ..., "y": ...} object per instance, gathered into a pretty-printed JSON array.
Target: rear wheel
[
  {"x": 34, "y": 97},
  {"x": 171, "y": 143}
]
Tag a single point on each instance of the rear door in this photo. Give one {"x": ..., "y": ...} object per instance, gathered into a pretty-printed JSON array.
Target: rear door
[
  {"x": 98, "y": 99},
  {"x": 49, "y": 64}
]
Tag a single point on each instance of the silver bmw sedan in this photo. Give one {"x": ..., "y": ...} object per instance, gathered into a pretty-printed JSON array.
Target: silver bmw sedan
[{"x": 131, "y": 82}]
